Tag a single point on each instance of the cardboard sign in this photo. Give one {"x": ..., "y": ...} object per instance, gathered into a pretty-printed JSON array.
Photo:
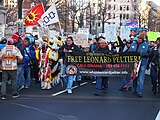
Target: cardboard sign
[{"x": 80, "y": 39}]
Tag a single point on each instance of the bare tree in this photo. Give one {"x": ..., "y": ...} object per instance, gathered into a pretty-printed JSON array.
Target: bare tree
[
  {"x": 76, "y": 8},
  {"x": 11, "y": 16}
]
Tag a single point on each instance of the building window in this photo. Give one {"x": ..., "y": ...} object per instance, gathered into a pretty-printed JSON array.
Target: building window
[
  {"x": 120, "y": 7},
  {"x": 94, "y": 4},
  {"x": 124, "y": 16},
  {"x": 120, "y": 16},
  {"x": 109, "y": 15},
  {"x": 109, "y": 7},
  {"x": 127, "y": 17},
  {"x": 114, "y": 7},
  {"x": 135, "y": 17},
  {"x": 114, "y": 16},
  {"x": 99, "y": 17},
  {"x": 99, "y": 24},
  {"x": 135, "y": 0},
  {"x": 109, "y": 0},
  {"x": 127, "y": 7},
  {"x": 135, "y": 8}
]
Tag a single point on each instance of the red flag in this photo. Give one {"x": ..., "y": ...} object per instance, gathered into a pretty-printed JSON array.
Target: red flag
[{"x": 34, "y": 14}]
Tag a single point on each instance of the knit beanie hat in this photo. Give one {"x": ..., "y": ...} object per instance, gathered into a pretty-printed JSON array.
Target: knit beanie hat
[{"x": 15, "y": 36}]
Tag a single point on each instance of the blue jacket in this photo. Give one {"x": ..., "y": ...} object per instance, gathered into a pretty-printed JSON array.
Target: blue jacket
[
  {"x": 2, "y": 46},
  {"x": 28, "y": 58},
  {"x": 142, "y": 49}
]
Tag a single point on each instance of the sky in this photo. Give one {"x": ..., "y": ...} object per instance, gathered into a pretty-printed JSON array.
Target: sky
[{"x": 155, "y": 1}]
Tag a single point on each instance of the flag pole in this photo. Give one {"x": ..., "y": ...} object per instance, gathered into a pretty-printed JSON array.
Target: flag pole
[
  {"x": 59, "y": 21},
  {"x": 60, "y": 28}
]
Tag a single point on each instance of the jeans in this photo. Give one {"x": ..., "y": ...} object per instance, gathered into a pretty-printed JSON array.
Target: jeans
[
  {"x": 69, "y": 82},
  {"x": 153, "y": 76},
  {"x": 5, "y": 74},
  {"x": 20, "y": 76},
  {"x": 68, "y": 79},
  {"x": 64, "y": 72},
  {"x": 27, "y": 71},
  {"x": 125, "y": 80},
  {"x": 141, "y": 77},
  {"x": 101, "y": 82}
]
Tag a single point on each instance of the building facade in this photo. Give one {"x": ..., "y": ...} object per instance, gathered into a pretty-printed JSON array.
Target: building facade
[
  {"x": 153, "y": 17},
  {"x": 116, "y": 12}
]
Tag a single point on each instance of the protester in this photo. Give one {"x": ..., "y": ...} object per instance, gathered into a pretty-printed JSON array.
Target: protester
[
  {"x": 68, "y": 47},
  {"x": 155, "y": 66},
  {"x": 10, "y": 54},
  {"x": 20, "y": 67},
  {"x": 36, "y": 66},
  {"x": 2, "y": 45},
  {"x": 142, "y": 48},
  {"x": 33, "y": 60},
  {"x": 3, "y": 42},
  {"x": 101, "y": 82},
  {"x": 44, "y": 65},
  {"x": 28, "y": 53},
  {"x": 93, "y": 46},
  {"x": 125, "y": 79}
]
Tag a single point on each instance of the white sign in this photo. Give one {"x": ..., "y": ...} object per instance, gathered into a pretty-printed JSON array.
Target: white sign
[
  {"x": 49, "y": 17},
  {"x": 29, "y": 29},
  {"x": 102, "y": 35},
  {"x": 80, "y": 39},
  {"x": 53, "y": 33},
  {"x": 125, "y": 32},
  {"x": 83, "y": 31},
  {"x": 2, "y": 28},
  {"x": 110, "y": 32}
]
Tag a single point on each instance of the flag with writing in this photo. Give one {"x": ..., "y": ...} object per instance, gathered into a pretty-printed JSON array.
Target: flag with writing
[{"x": 49, "y": 17}]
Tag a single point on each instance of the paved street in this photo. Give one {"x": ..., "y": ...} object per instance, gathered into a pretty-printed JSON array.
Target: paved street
[{"x": 56, "y": 104}]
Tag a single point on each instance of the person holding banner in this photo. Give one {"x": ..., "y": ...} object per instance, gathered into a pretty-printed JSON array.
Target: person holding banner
[
  {"x": 142, "y": 48},
  {"x": 69, "y": 77},
  {"x": 124, "y": 47},
  {"x": 155, "y": 66},
  {"x": 94, "y": 45},
  {"x": 101, "y": 82}
]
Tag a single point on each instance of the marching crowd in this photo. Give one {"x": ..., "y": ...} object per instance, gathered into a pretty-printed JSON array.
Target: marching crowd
[{"x": 28, "y": 58}]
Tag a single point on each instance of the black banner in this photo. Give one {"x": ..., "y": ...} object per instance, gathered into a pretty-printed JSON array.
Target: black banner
[{"x": 100, "y": 64}]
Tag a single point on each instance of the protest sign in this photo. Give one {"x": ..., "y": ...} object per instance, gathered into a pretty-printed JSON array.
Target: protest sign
[
  {"x": 101, "y": 64},
  {"x": 152, "y": 36},
  {"x": 80, "y": 39},
  {"x": 110, "y": 32},
  {"x": 125, "y": 32}
]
